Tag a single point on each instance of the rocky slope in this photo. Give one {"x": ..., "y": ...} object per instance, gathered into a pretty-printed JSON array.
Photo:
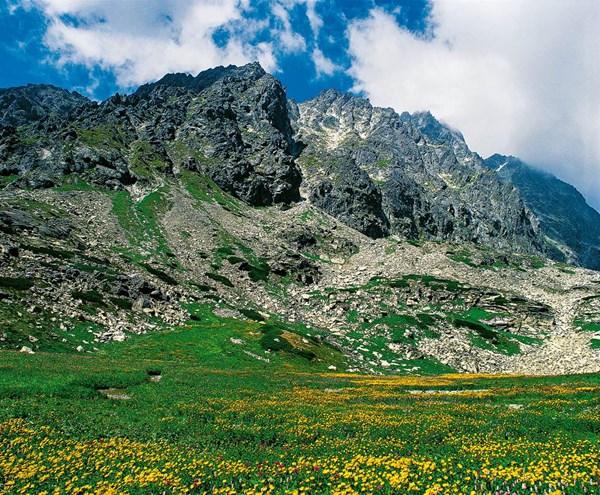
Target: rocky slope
[
  {"x": 147, "y": 211},
  {"x": 153, "y": 259},
  {"x": 571, "y": 226}
]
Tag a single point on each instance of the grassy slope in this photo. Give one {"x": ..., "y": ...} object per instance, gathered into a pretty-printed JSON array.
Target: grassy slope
[{"x": 221, "y": 421}]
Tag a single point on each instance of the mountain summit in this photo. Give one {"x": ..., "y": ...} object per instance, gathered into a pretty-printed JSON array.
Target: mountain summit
[{"x": 384, "y": 173}]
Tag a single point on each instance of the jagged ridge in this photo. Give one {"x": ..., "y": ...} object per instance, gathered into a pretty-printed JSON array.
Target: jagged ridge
[{"x": 377, "y": 171}]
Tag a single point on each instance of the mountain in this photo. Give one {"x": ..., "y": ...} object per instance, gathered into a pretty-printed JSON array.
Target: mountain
[
  {"x": 570, "y": 225},
  {"x": 236, "y": 116},
  {"x": 337, "y": 234},
  {"x": 384, "y": 173}
]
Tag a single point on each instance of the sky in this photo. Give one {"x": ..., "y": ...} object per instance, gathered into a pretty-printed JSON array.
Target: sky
[{"x": 517, "y": 77}]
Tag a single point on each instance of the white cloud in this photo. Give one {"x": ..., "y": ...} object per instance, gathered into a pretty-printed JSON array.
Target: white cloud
[
  {"x": 140, "y": 40},
  {"x": 292, "y": 41},
  {"x": 323, "y": 65},
  {"x": 316, "y": 23},
  {"x": 515, "y": 77},
  {"x": 288, "y": 39}
]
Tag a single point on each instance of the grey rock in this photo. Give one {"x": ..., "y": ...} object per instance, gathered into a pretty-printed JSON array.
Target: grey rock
[
  {"x": 565, "y": 218},
  {"x": 382, "y": 173}
]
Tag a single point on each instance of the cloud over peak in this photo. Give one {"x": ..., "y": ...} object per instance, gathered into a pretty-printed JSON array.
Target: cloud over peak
[{"x": 515, "y": 77}]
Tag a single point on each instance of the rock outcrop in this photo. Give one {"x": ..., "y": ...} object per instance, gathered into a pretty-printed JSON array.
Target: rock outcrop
[{"x": 228, "y": 123}]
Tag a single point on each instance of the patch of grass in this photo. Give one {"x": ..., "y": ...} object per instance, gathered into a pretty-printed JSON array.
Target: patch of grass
[
  {"x": 251, "y": 314},
  {"x": 272, "y": 339},
  {"x": 16, "y": 283},
  {"x": 141, "y": 224},
  {"x": 258, "y": 272},
  {"x": 219, "y": 278},
  {"x": 74, "y": 182},
  {"x": 485, "y": 336},
  {"x": 145, "y": 160},
  {"x": 587, "y": 326},
  {"x": 463, "y": 256},
  {"x": 235, "y": 260},
  {"x": 50, "y": 251},
  {"x": 122, "y": 303},
  {"x": 203, "y": 188},
  {"x": 103, "y": 137},
  {"x": 307, "y": 215},
  {"x": 89, "y": 296},
  {"x": 165, "y": 277},
  {"x": 6, "y": 180},
  {"x": 536, "y": 262}
]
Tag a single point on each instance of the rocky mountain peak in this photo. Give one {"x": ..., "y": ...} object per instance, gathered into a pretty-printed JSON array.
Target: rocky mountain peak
[
  {"x": 230, "y": 123},
  {"x": 435, "y": 130},
  {"x": 25, "y": 104},
  {"x": 423, "y": 180},
  {"x": 251, "y": 72},
  {"x": 571, "y": 226}
]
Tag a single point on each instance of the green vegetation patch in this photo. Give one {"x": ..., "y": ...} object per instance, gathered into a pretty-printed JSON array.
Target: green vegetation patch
[
  {"x": 219, "y": 278},
  {"x": 462, "y": 256},
  {"x": 485, "y": 336},
  {"x": 89, "y": 296},
  {"x": 203, "y": 188},
  {"x": 104, "y": 137},
  {"x": 165, "y": 277},
  {"x": 257, "y": 272},
  {"x": 6, "y": 180},
  {"x": 145, "y": 159},
  {"x": 16, "y": 283},
  {"x": 49, "y": 251}
]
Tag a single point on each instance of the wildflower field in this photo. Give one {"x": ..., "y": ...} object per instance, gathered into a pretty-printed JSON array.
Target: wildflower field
[{"x": 216, "y": 422}]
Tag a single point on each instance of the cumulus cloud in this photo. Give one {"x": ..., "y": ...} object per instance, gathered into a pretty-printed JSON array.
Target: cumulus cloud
[
  {"x": 323, "y": 65},
  {"x": 290, "y": 41},
  {"x": 315, "y": 20},
  {"x": 141, "y": 40},
  {"x": 515, "y": 77}
]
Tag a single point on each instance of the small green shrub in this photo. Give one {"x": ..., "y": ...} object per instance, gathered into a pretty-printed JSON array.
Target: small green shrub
[
  {"x": 165, "y": 277},
  {"x": 251, "y": 314},
  {"x": 55, "y": 253},
  {"x": 121, "y": 302},
  {"x": 258, "y": 272},
  {"x": 90, "y": 296},
  {"x": 234, "y": 260},
  {"x": 202, "y": 287}
]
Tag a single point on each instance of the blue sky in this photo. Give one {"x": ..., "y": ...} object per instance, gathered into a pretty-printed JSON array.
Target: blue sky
[{"x": 516, "y": 77}]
